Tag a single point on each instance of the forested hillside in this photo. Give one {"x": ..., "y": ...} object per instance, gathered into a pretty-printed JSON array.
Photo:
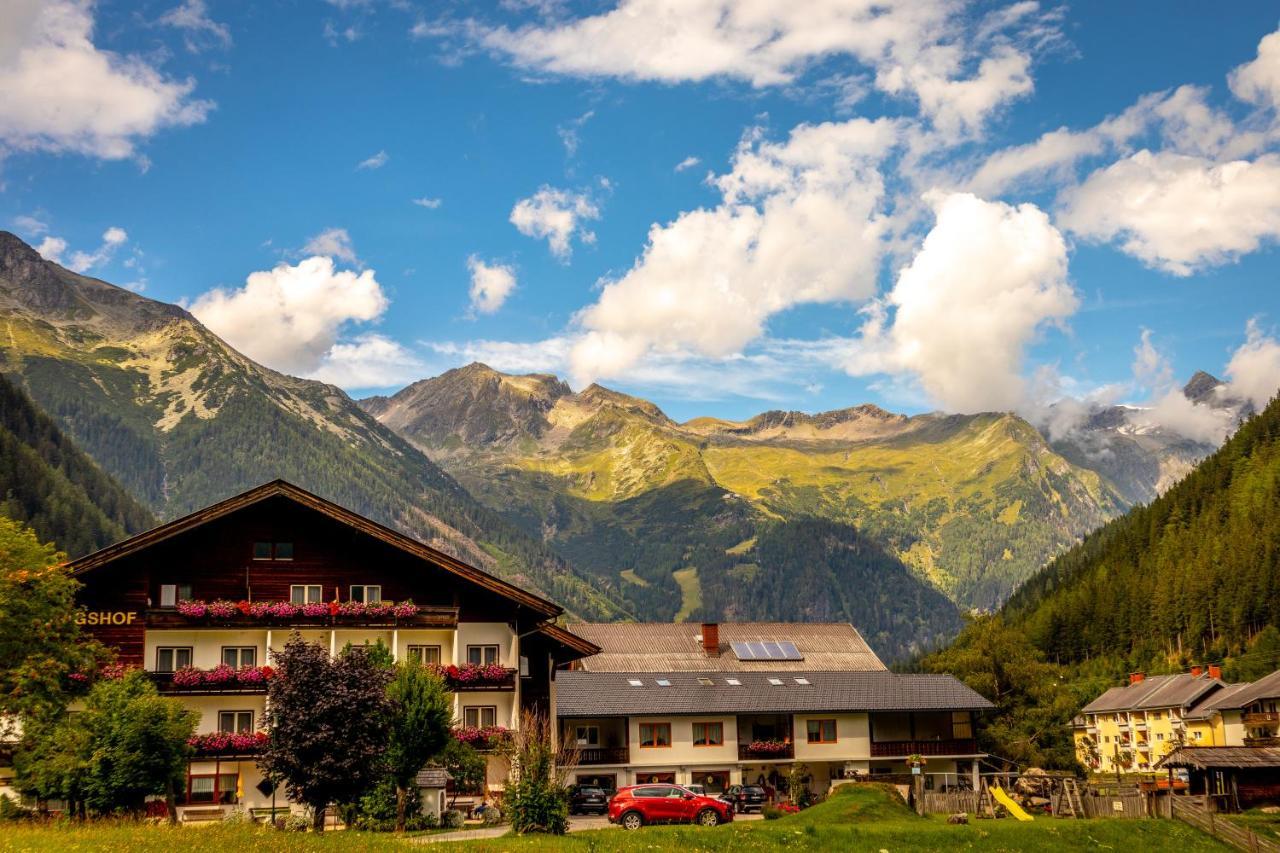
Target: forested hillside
[
  {"x": 47, "y": 483},
  {"x": 183, "y": 420},
  {"x": 1193, "y": 575}
]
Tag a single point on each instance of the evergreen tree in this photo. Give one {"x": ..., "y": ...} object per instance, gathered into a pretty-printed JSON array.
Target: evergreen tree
[{"x": 420, "y": 722}]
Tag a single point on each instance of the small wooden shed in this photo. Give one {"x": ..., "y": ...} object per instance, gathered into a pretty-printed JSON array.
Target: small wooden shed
[
  {"x": 431, "y": 782},
  {"x": 1232, "y": 777}
]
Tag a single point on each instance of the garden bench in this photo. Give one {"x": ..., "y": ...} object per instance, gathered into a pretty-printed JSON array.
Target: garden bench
[{"x": 196, "y": 815}]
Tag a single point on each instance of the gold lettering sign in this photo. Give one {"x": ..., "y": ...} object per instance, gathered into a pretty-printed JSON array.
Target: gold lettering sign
[{"x": 107, "y": 617}]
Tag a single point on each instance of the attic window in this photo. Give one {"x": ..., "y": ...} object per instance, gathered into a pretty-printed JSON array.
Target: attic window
[
  {"x": 273, "y": 550},
  {"x": 635, "y": 682},
  {"x": 706, "y": 682},
  {"x": 733, "y": 682},
  {"x": 802, "y": 681},
  {"x": 776, "y": 682},
  {"x": 663, "y": 682}
]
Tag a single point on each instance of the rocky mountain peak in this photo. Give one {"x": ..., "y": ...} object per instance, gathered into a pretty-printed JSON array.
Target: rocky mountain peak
[{"x": 1202, "y": 387}]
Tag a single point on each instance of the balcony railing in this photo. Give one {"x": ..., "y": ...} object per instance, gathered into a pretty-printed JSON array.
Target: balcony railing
[
  {"x": 773, "y": 752},
  {"x": 1262, "y": 717},
  {"x": 472, "y": 677},
  {"x": 603, "y": 755},
  {"x": 219, "y": 681},
  {"x": 1262, "y": 741},
  {"x": 903, "y": 748},
  {"x": 265, "y": 615}
]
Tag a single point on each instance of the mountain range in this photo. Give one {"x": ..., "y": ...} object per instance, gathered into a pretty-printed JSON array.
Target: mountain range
[{"x": 594, "y": 498}]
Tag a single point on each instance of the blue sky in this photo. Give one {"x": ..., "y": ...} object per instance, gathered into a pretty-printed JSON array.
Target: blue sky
[{"x": 860, "y": 217}]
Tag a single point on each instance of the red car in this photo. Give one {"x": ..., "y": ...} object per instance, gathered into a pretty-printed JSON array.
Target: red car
[{"x": 636, "y": 805}]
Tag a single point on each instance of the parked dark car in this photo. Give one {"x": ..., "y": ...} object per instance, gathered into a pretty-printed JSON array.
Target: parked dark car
[
  {"x": 637, "y": 805},
  {"x": 745, "y": 798},
  {"x": 588, "y": 799}
]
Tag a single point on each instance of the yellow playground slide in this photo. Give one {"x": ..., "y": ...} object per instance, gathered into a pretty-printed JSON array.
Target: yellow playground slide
[{"x": 1010, "y": 806}]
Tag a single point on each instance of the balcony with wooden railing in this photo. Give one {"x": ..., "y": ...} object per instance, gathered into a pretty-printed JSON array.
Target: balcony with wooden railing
[
  {"x": 276, "y": 614},
  {"x": 766, "y": 751},
  {"x": 588, "y": 755},
  {"x": 903, "y": 748},
  {"x": 1262, "y": 718}
]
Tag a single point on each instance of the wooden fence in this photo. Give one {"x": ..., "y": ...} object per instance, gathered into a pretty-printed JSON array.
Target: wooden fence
[
  {"x": 1191, "y": 810},
  {"x": 1130, "y": 804},
  {"x": 950, "y": 802}
]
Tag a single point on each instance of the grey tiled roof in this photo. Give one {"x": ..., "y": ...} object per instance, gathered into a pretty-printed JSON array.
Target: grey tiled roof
[
  {"x": 610, "y": 694},
  {"x": 1227, "y": 697},
  {"x": 1156, "y": 691},
  {"x": 677, "y": 647},
  {"x": 1267, "y": 687}
]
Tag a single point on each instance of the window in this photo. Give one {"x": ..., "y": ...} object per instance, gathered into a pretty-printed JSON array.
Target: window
[
  {"x": 776, "y": 682},
  {"x": 706, "y": 682},
  {"x": 273, "y": 550},
  {"x": 424, "y": 654},
  {"x": 1197, "y": 735},
  {"x": 961, "y": 725},
  {"x": 635, "y": 682},
  {"x": 482, "y": 654},
  {"x": 587, "y": 735},
  {"x": 172, "y": 593},
  {"x": 235, "y": 721},
  {"x": 802, "y": 681},
  {"x": 654, "y": 735},
  {"x": 480, "y": 716},
  {"x": 238, "y": 657},
  {"x": 305, "y": 594},
  {"x": 650, "y": 792},
  {"x": 821, "y": 731},
  {"x": 208, "y": 788},
  {"x": 1159, "y": 735},
  {"x": 170, "y": 658},
  {"x": 663, "y": 682},
  {"x": 733, "y": 682},
  {"x": 708, "y": 734},
  {"x": 366, "y": 594}
]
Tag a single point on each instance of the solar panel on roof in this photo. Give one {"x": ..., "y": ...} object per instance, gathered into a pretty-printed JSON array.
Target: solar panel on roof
[
  {"x": 766, "y": 650},
  {"x": 789, "y": 651}
]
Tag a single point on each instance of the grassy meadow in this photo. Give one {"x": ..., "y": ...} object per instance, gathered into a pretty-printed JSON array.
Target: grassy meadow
[{"x": 865, "y": 818}]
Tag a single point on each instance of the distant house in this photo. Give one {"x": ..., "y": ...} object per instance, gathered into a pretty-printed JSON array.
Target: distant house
[
  {"x": 1233, "y": 777},
  {"x": 744, "y": 703},
  {"x": 1128, "y": 729},
  {"x": 1131, "y": 728}
]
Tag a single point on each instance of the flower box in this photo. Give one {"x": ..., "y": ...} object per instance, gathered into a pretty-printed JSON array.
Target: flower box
[
  {"x": 485, "y": 738},
  {"x": 227, "y": 611},
  {"x": 768, "y": 747},
  {"x": 228, "y": 743},
  {"x": 221, "y": 677},
  {"x": 474, "y": 676}
]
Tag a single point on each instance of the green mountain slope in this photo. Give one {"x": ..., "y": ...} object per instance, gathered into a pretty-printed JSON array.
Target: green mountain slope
[
  {"x": 47, "y": 483},
  {"x": 972, "y": 505},
  {"x": 182, "y": 420},
  {"x": 1193, "y": 575}
]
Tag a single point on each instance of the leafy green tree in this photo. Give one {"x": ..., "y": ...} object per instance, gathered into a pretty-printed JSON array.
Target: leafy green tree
[
  {"x": 1030, "y": 725},
  {"x": 329, "y": 721},
  {"x": 41, "y": 644},
  {"x": 536, "y": 795},
  {"x": 419, "y": 726},
  {"x": 1261, "y": 658},
  {"x": 128, "y": 743},
  {"x": 465, "y": 764}
]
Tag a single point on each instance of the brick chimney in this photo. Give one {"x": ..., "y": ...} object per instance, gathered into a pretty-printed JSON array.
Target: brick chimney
[
  {"x": 1137, "y": 677},
  {"x": 1215, "y": 671},
  {"x": 711, "y": 639},
  {"x": 1197, "y": 671}
]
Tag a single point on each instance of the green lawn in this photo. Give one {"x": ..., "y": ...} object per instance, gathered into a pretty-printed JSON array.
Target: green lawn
[
  {"x": 866, "y": 818},
  {"x": 1266, "y": 825}
]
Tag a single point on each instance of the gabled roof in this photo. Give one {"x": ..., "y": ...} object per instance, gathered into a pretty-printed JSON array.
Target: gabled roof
[
  {"x": 1224, "y": 699},
  {"x": 1155, "y": 691},
  {"x": 1267, "y": 687},
  {"x": 281, "y": 488},
  {"x": 677, "y": 647},
  {"x": 1219, "y": 757},
  {"x": 611, "y": 694}
]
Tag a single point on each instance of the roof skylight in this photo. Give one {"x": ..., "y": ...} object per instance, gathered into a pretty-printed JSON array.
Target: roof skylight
[
  {"x": 663, "y": 682},
  {"x": 802, "y": 681},
  {"x": 733, "y": 682},
  {"x": 776, "y": 682},
  {"x": 635, "y": 682}
]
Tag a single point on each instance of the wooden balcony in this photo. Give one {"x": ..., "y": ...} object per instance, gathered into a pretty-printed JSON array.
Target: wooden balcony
[
  {"x": 785, "y": 753},
  {"x": 164, "y": 684},
  {"x": 603, "y": 755},
  {"x": 426, "y": 617},
  {"x": 903, "y": 748},
  {"x": 1262, "y": 741},
  {"x": 506, "y": 683},
  {"x": 1262, "y": 718}
]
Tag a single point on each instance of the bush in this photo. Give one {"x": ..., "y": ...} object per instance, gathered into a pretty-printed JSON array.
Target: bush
[
  {"x": 772, "y": 812},
  {"x": 237, "y": 816},
  {"x": 11, "y": 809},
  {"x": 492, "y": 816},
  {"x": 295, "y": 823},
  {"x": 453, "y": 819}
]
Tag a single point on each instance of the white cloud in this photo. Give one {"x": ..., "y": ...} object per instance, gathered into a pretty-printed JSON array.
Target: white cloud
[
  {"x": 31, "y": 225},
  {"x": 1254, "y": 370},
  {"x": 377, "y": 161},
  {"x": 52, "y": 248},
  {"x": 369, "y": 361},
  {"x": 200, "y": 31},
  {"x": 960, "y": 72},
  {"x": 491, "y": 284},
  {"x": 1178, "y": 212},
  {"x": 799, "y": 221},
  {"x": 1258, "y": 82},
  {"x": 986, "y": 280},
  {"x": 334, "y": 243},
  {"x": 112, "y": 239},
  {"x": 570, "y": 132},
  {"x": 290, "y": 317},
  {"x": 60, "y": 93},
  {"x": 555, "y": 215},
  {"x": 687, "y": 163},
  {"x": 428, "y": 202}
]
